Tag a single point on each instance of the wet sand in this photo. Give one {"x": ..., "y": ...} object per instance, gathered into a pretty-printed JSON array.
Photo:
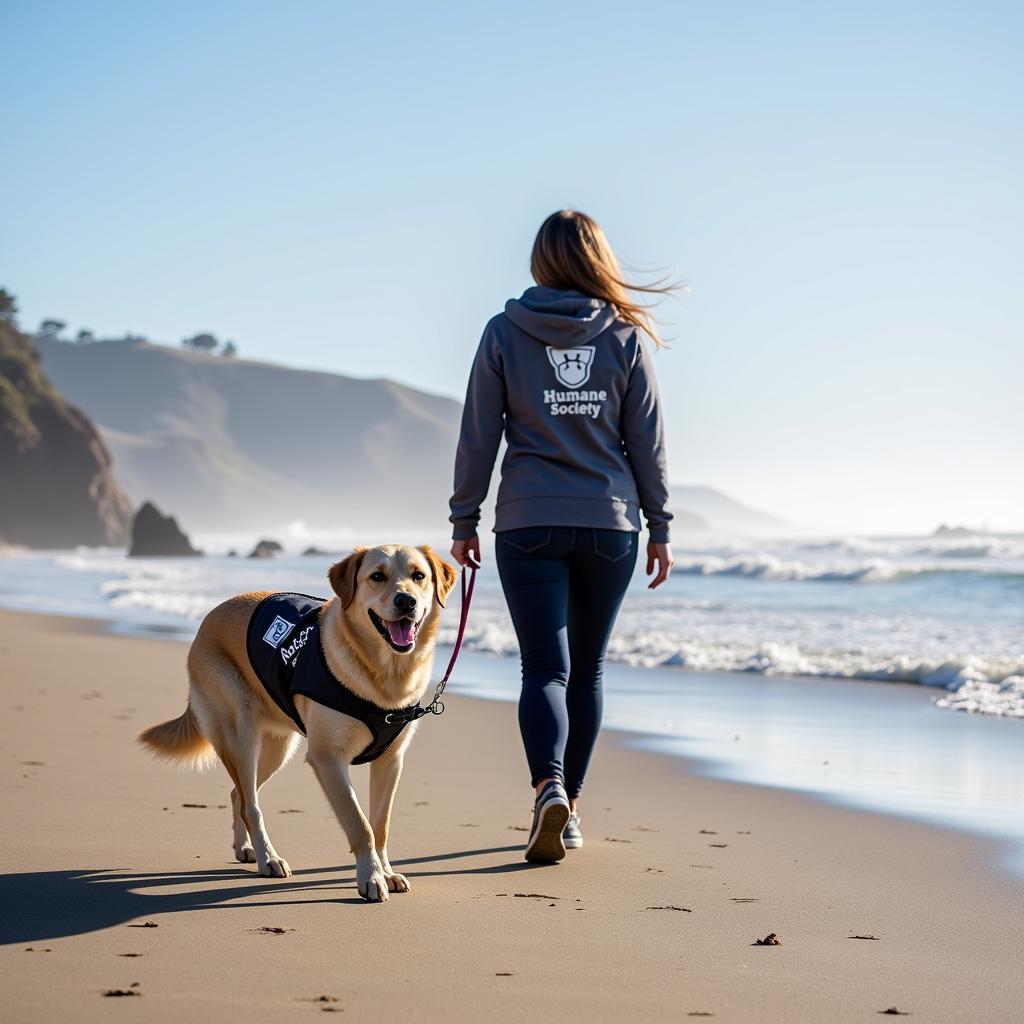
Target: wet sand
[{"x": 118, "y": 876}]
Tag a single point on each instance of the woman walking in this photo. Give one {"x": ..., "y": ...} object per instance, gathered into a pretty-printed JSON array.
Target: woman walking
[{"x": 565, "y": 374}]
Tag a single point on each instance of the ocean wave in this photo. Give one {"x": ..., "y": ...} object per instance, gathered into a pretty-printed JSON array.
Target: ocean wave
[
  {"x": 990, "y": 686},
  {"x": 129, "y": 596},
  {"x": 767, "y": 566}
]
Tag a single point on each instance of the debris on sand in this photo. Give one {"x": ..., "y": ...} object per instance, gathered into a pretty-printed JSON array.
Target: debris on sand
[
  {"x": 318, "y": 999},
  {"x": 707, "y": 832},
  {"x": 273, "y": 930},
  {"x": 291, "y": 810},
  {"x": 718, "y": 846},
  {"x": 872, "y": 938},
  {"x": 134, "y": 990},
  {"x": 612, "y": 839},
  {"x": 129, "y": 954},
  {"x": 518, "y": 828},
  {"x": 771, "y": 939},
  {"x": 37, "y": 949},
  {"x": 743, "y": 899},
  {"x": 671, "y": 906},
  {"x": 893, "y": 1012},
  {"x": 504, "y": 974},
  {"x": 145, "y": 924},
  {"x": 534, "y": 896},
  {"x": 204, "y": 806}
]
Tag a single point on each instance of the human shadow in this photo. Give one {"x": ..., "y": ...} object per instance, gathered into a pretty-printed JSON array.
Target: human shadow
[{"x": 40, "y": 905}]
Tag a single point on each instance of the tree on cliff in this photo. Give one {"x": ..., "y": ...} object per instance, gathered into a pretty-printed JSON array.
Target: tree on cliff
[{"x": 201, "y": 343}]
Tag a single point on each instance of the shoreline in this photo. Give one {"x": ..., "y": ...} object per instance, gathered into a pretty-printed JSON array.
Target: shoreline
[
  {"x": 723, "y": 703},
  {"x": 108, "y": 839}
]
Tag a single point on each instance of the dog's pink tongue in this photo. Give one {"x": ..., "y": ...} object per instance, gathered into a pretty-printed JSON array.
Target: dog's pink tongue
[{"x": 402, "y": 632}]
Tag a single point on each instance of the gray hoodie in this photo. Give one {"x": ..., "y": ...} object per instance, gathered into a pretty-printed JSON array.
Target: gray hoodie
[{"x": 572, "y": 388}]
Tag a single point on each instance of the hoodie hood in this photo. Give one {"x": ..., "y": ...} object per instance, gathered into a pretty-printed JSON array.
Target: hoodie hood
[{"x": 561, "y": 319}]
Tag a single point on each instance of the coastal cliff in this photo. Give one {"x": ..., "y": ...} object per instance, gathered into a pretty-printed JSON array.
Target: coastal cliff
[{"x": 58, "y": 489}]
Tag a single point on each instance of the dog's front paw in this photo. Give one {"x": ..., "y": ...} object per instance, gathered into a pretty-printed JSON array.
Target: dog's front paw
[
  {"x": 397, "y": 882},
  {"x": 275, "y": 867},
  {"x": 245, "y": 854}
]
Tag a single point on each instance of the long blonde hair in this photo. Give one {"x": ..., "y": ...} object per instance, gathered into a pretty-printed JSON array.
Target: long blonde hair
[{"x": 571, "y": 252}]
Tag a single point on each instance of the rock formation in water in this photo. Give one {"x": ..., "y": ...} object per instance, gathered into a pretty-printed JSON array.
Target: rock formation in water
[{"x": 153, "y": 533}]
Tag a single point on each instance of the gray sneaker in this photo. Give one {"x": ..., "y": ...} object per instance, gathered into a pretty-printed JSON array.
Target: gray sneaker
[
  {"x": 550, "y": 813},
  {"x": 572, "y": 836}
]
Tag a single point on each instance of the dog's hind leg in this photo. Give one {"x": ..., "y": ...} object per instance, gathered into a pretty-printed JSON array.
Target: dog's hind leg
[
  {"x": 240, "y": 753},
  {"x": 275, "y": 750}
]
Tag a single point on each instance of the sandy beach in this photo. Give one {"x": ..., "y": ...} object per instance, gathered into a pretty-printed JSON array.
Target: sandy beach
[{"x": 118, "y": 875}]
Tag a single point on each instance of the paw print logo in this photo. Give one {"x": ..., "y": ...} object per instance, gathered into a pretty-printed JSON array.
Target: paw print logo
[{"x": 572, "y": 365}]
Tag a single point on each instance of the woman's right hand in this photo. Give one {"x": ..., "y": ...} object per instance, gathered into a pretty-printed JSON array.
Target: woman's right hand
[
  {"x": 662, "y": 555},
  {"x": 467, "y": 552}
]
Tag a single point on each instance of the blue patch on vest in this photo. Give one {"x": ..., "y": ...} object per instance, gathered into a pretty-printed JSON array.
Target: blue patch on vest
[{"x": 283, "y": 644}]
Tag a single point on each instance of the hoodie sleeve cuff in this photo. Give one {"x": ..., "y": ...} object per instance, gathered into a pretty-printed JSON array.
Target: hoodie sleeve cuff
[
  {"x": 659, "y": 534},
  {"x": 463, "y": 530}
]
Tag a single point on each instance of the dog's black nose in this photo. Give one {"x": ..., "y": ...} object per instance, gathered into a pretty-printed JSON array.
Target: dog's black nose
[{"x": 405, "y": 603}]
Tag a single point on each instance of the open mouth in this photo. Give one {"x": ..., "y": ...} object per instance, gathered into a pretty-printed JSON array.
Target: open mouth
[{"x": 399, "y": 633}]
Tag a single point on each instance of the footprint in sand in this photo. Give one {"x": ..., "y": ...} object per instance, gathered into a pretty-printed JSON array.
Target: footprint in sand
[{"x": 132, "y": 990}]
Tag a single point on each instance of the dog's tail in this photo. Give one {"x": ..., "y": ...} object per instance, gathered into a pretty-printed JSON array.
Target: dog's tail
[{"x": 179, "y": 740}]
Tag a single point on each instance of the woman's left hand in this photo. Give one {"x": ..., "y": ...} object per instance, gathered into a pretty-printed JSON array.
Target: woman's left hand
[
  {"x": 662, "y": 555},
  {"x": 467, "y": 552}
]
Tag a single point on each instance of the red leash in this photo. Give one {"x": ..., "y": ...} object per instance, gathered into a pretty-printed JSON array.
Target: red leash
[{"x": 436, "y": 707}]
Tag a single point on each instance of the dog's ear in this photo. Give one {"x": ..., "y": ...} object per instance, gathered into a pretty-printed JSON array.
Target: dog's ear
[
  {"x": 343, "y": 576},
  {"x": 444, "y": 574}
]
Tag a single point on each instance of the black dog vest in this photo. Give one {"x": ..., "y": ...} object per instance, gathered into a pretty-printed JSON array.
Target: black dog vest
[{"x": 283, "y": 644}]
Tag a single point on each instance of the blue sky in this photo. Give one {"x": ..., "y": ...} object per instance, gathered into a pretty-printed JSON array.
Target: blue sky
[{"x": 353, "y": 189}]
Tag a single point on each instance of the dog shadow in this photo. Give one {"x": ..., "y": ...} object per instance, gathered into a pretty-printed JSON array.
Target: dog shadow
[{"x": 40, "y": 905}]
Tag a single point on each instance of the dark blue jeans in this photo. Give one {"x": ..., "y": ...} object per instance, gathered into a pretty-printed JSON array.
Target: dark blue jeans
[{"x": 564, "y": 586}]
